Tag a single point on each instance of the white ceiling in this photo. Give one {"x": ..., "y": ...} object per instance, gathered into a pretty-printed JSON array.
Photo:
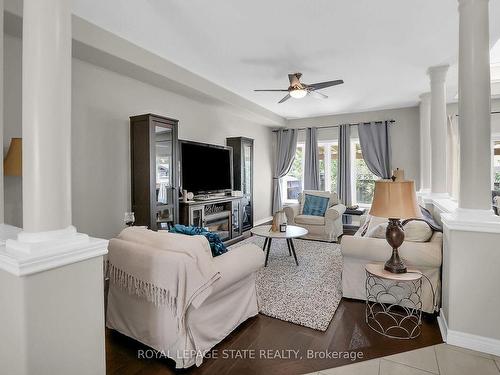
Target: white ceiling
[{"x": 381, "y": 49}]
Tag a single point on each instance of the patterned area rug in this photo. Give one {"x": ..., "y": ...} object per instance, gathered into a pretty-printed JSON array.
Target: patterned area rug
[{"x": 308, "y": 294}]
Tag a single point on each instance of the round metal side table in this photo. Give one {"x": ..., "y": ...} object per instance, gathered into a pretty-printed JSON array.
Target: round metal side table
[{"x": 393, "y": 302}]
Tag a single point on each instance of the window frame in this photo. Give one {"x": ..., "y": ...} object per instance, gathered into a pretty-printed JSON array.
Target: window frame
[
  {"x": 495, "y": 137},
  {"x": 328, "y": 162},
  {"x": 284, "y": 198},
  {"x": 328, "y": 144},
  {"x": 355, "y": 141}
]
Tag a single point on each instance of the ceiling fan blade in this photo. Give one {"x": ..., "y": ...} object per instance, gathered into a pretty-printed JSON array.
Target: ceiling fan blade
[
  {"x": 322, "y": 85},
  {"x": 284, "y": 99},
  {"x": 317, "y": 95},
  {"x": 277, "y": 90},
  {"x": 294, "y": 79}
]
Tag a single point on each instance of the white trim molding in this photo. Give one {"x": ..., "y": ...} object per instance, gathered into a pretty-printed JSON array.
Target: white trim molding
[
  {"x": 443, "y": 326},
  {"x": 468, "y": 220},
  {"x": 263, "y": 221},
  {"x": 23, "y": 254},
  {"x": 467, "y": 340}
]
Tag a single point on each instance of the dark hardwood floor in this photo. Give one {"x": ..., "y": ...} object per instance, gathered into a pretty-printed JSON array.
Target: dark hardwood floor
[{"x": 347, "y": 332}]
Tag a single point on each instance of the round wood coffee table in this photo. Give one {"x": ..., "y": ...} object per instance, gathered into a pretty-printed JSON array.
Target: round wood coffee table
[{"x": 291, "y": 232}]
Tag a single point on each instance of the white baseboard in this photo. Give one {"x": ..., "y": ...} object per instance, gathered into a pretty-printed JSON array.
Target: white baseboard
[
  {"x": 443, "y": 326},
  {"x": 263, "y": 221},
  {"x": 467, "y": 340}
]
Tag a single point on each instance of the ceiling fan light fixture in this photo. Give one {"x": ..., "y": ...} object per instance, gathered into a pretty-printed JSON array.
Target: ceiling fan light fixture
[{"x": 298, "y": 93}]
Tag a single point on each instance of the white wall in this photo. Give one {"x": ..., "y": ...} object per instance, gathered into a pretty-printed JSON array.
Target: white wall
[
  {"x": 404, "y": 134},
  {"x": 101, "y": 105}
]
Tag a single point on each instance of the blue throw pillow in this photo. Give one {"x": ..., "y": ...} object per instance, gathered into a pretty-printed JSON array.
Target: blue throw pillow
[
  {"x": 216, "y": 244},
  {"x": 315, "y": 205}
]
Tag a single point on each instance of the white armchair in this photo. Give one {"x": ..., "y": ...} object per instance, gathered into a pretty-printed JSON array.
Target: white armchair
[
  {"x": 327, "y": 228},
  {"x": 208, "y": 297}
]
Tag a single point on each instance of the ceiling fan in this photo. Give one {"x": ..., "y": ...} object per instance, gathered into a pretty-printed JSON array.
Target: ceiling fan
[{"x": 298, "y": 89}]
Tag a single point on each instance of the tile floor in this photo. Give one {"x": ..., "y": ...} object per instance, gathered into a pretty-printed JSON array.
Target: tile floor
[{"x": 442, "y": 359}]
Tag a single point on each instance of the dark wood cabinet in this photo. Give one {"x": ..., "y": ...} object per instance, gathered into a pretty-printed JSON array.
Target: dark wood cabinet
[
  {"x": 155, "y": 170},
  {"x": 243, "y": 176}
]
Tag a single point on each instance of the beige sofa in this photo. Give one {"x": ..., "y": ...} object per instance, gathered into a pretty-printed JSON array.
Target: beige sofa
[
  {"x": 357, "y": 251},
  {"x": 168, "y": 292},
  {"x": 328, "y": 228}
]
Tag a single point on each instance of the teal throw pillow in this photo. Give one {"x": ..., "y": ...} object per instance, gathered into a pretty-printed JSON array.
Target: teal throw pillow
[{"x": 315, "y": 205}]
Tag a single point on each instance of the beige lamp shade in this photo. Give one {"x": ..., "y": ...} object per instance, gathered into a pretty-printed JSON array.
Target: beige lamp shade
[
  {"x": 395, "y": 200},
  {"x": 13, "y": 162}
]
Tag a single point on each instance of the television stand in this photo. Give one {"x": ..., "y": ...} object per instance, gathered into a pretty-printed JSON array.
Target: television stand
[
  {"x": 208, "y": 197},
  {"x": 220, "y": 214}
]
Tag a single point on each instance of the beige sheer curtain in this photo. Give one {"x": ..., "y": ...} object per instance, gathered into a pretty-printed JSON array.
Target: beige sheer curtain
[{"x": 453, "y": 156}]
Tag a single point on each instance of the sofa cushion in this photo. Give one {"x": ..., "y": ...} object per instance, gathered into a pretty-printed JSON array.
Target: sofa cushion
[
  {"x": 378, "y": 231},
  {"x": 333, "y": 197},
  {"x": 310, "y": 220},
  {"x": 374, "y": 222},
  {"x": 415, "y": 231},
  {"x": 315, "y": 205}
]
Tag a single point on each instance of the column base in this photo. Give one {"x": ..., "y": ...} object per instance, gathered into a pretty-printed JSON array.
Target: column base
[
  {"x": 423, "y": 192},
  {"x": 27, "y": 253},
  {"x": 470, "y": 278},
  {"x": 430, "y": 196},
  {"x": 463, "y": 219},
  {"x": 441, "y": 201}
]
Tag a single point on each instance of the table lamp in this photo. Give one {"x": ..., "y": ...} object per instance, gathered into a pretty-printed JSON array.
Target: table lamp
[
  {"x": 395, "y": 200},
  {"x": 12, "y": 164}
]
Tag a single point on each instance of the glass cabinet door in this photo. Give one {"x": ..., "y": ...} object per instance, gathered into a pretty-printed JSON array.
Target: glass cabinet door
[
  {"x": 197, "y": 219},
  {"x": 236, "y": 218},
  {"x": 246, "y": 184},
  {"x": 164, "y": 177}
]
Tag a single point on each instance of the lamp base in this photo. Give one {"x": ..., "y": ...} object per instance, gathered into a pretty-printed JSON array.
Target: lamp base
[
  {"x": 395, "y": 236},
  {"x": 395, "y": 264}
]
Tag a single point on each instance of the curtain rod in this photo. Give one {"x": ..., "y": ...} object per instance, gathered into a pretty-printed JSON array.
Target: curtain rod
[{"x": 336, "y": 126}]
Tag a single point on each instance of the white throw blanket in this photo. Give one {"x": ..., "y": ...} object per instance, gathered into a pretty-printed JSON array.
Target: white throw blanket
[{"x": 181, "y": 273}]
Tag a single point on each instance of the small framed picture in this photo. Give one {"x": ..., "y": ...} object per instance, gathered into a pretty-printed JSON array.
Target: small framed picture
[{"x": 283, "y": 227}]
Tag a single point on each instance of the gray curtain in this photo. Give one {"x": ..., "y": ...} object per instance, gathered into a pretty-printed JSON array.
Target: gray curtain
[
  {"x": 286, "y": 145},
  {"x": 344, "y": 173},
  {"x": 311, "y": 161},
  {"x": 376, "y": 147}
]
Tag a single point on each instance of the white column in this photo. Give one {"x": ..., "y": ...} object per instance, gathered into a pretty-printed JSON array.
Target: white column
[
  {"x": 472, "y": 228},
  {"x": 425, "y": 143},
  {"x": 51, "y": 277},
  {"x": 46, "y": 115},
  {"x": 474, "y": 105},
  {"x": 437, "y": 76}
]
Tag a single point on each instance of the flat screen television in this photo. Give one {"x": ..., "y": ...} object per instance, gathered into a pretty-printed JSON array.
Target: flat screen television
[{"x": 206, "y": 168}]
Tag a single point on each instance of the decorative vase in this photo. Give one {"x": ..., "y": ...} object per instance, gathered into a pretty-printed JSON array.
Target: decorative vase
[{"x": 275, "y": 227}]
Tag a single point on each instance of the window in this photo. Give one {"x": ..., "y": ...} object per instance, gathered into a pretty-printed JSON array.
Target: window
[
  {"x": 293, "y": 183},
  {"x": 328, "y": 165},
  {"x": 496, "y": 164},
  {"x": 362, "y": 179}
]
